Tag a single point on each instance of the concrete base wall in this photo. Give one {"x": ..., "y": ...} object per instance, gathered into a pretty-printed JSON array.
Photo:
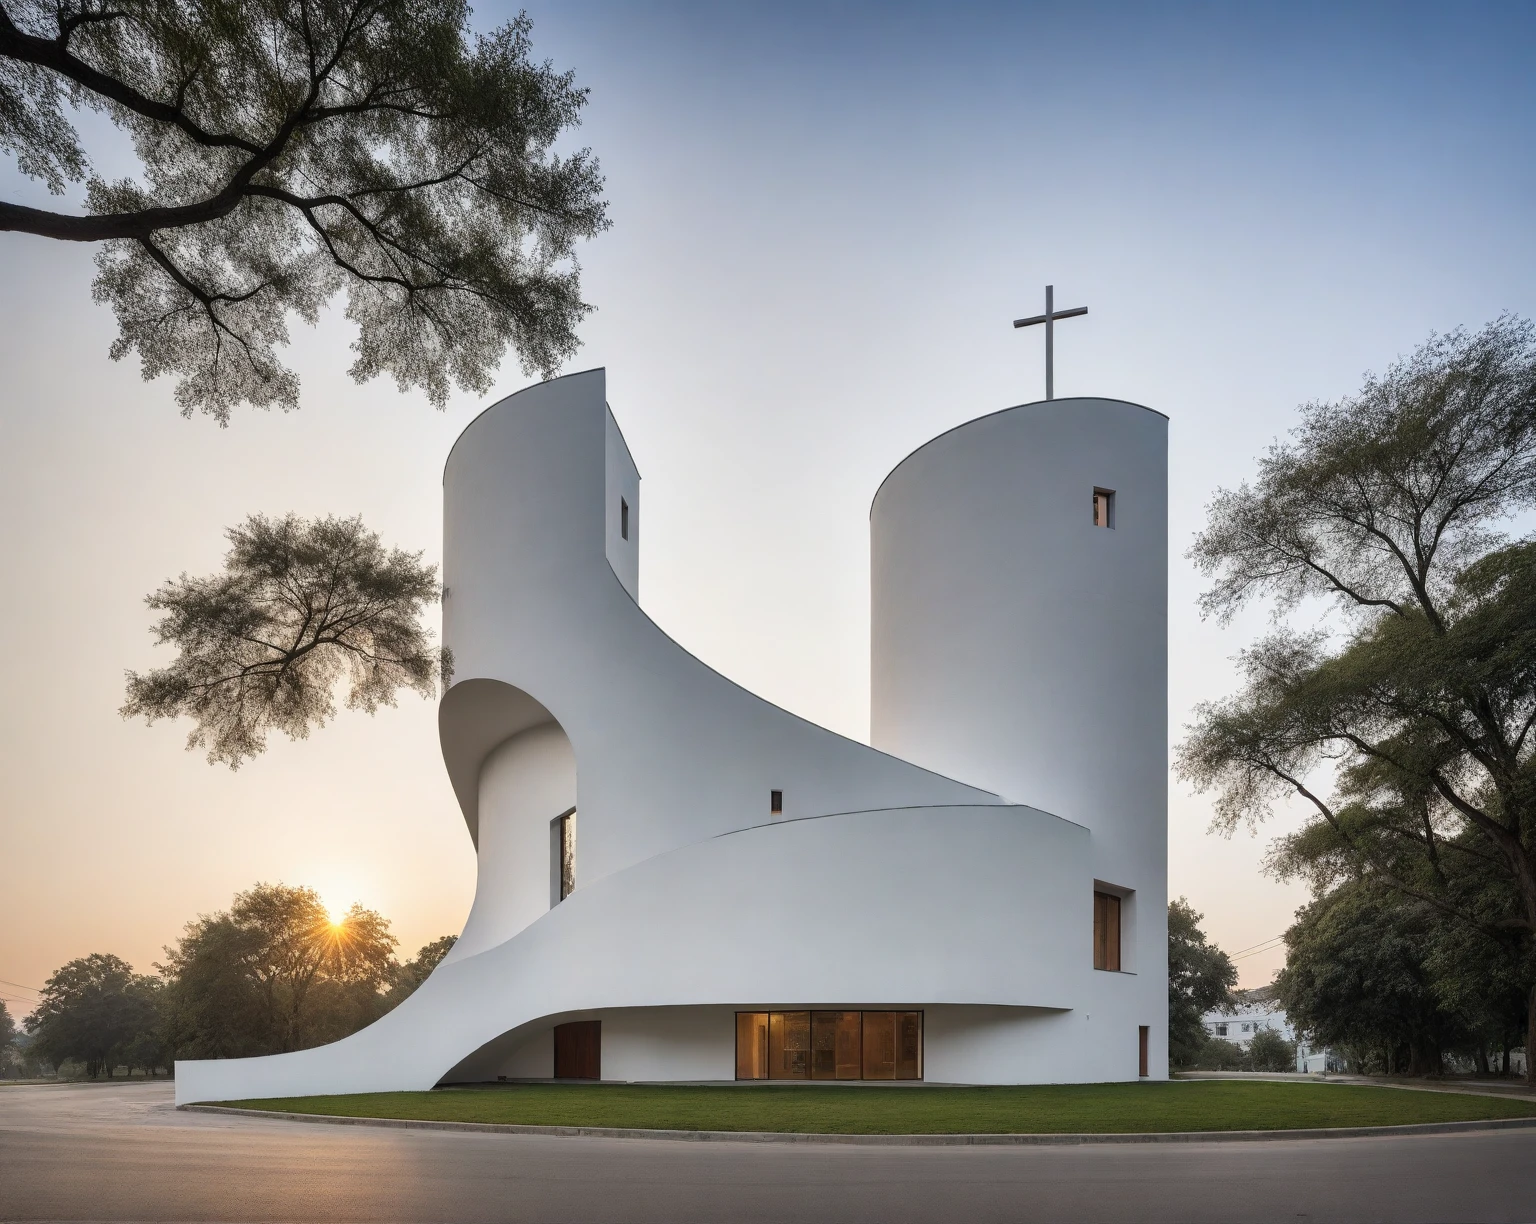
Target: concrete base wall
[{"x": 961, "y": 1045}]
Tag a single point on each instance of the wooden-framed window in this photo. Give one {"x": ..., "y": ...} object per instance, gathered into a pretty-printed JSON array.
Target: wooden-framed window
[
  {"x": 1142, "y": 1034},
  {"x": 829, "y": 1045},
  {"x": 1106, "y": 931},
  {"x": 1103, "y": 507}
]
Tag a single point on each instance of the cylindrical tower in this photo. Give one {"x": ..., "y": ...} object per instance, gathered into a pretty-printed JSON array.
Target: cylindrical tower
[{"x": 1019, "y": 619}]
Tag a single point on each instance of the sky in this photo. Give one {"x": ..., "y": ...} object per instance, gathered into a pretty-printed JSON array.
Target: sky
[{"x": 825, "y": 218}]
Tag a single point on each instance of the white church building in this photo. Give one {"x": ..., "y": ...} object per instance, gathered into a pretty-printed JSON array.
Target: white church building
[{"x": 679, "y": 881}]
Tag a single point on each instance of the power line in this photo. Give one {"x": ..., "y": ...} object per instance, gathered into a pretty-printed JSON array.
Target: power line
[
  {"x": 1274, "y": 947},
  {"x": 1255, "y": 947},
  {"x": 19, "y": 986}
]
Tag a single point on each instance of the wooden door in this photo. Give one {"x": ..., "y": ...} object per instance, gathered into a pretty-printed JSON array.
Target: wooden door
[{"x": 578, "y": 1050}]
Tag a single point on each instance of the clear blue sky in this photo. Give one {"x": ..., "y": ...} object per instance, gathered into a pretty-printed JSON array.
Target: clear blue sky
[{"x": 824, "y": 220}]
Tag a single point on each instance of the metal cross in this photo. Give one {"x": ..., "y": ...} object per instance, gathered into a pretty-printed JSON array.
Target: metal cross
[{"x": 1049, "y": 319}]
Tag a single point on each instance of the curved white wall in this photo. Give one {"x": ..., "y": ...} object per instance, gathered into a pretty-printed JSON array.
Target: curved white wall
[
  {"x": 524, "y": 784},
  {"x": 692, "y": 898},
  {"x": 930, "y": 906},
  {"x": 1018, "y": 646},
  {"x": 667, "y": 750}
]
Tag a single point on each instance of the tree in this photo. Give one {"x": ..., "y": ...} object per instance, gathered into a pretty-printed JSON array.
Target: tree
[
  {"x": 1200, "y": 978},
  {"x": 1356, "y": 978},
  {"x": 1270, "y": 1051},
  {"x": 7, "y": 1035},
  {"x": 275, "y": 973},
  {"x": 299, "y": 606},
  {"x": 214, "y": 1004},
  {"x": 90, "y": 1010},
  {"x": 414, "y": 972},
  {"x": 1480, "y": 977},
  {"x": 1420, "y": 697},
  {"x": 293, "y": 147},
  {"x": 149, "y": 1048}
]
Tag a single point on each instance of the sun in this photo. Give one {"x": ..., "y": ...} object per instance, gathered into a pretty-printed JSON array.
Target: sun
[{"x": 335, "y": 914}]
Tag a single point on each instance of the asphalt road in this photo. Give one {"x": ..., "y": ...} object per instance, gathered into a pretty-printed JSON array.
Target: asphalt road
[{"x": 121, "y": 1153}]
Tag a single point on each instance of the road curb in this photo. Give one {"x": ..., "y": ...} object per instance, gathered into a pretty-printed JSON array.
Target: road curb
[{"x": 985, "y": 1140}]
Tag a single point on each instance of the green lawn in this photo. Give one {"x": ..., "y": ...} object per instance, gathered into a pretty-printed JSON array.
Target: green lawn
[{"x": 1207, "y": 1105}]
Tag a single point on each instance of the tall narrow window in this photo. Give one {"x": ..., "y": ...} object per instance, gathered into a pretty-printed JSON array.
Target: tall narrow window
[
  {"x": 1103, "y": 507},
  {"x": 751, "y": 1045},
  {"x": 563, "y": 851},
  {"x": 775, "y": 802},
  {"x": 1141, "y": 1040},
  {"x": 789, "y": 1045},
  {"x": 880, "y": 1045},
  {"x": 623, "y": 519},
  {"x": 1106, "y": 931}
]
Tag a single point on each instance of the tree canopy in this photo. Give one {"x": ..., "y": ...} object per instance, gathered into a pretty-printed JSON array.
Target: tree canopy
[
  {"x": 1404, "y": 722},
  {"x": 300, "y": 606},
  {"x": 1200, "y": 978},
  {"x": 407, "y": 977},
  {"x": 275, "y": 973},
  {"x": 293, "y": 148},
  {"x": 7, "y": 1030},
  {"x": 91, "y": 1009}
]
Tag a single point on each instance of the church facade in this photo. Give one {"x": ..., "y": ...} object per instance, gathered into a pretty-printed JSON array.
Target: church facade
[{"x": 678, "y": 881}]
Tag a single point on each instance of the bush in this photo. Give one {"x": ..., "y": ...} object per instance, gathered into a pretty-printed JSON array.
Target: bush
[
  {"x": 1269, "y": 1051},
  {"x": 1219, "y": 1055}
]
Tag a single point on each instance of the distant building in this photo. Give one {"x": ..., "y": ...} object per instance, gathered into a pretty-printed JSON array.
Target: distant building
[{"x": 1255, "y": 1011}]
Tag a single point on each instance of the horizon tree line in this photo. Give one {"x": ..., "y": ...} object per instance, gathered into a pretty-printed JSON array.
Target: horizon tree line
[{"x": 271, "y": 974}]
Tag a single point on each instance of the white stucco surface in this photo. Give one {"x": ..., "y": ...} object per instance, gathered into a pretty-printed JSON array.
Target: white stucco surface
[
  {"x": 1019, "y": 646},
  {"x": 882, "y": 884}
]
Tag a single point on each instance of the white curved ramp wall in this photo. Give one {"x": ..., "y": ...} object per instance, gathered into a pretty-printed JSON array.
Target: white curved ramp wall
[{"x": 667, "y": 750}]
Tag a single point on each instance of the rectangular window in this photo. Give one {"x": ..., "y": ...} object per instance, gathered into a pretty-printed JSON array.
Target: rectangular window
[
  {"x": 789, "y": 1045},
  {"x": 880, "y": 1045},
  {"x": 1106, "y": 931},
  {"x": 562, "y": 853},
  {"x": 1221, "y": 1030},
  {"x": 829, "y": 1045},
  {"x": 909, "y": 1045},
  {"x": 623, "y": 519},
  {"x": 775, "y": 802},
  {"x": 751, "y": 1045},
  {"x": 1141, "y": 1041},
  {"x": 1103, "y": 507},
  {"x": 836, "y": 1045}
]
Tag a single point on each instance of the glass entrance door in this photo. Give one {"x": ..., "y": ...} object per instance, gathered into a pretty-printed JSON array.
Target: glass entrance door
[{"x": 829, "y": 1045}]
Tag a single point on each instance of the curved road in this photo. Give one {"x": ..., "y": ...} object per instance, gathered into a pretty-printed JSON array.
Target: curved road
[{"x": 122, "y": 1153}]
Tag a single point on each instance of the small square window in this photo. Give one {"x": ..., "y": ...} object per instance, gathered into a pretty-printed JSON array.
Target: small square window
[
  {"x": 1221, "y": 1030},
  {"x": 1103, "y": 507},
  {"x": 775, "y": 802},
  {"x": 623, "y": 519}
]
